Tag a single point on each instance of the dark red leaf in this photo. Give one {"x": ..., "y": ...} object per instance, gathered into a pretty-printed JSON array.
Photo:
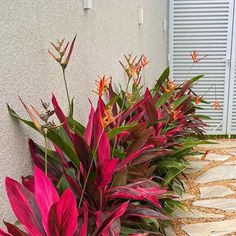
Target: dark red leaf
[{"x": 14, "y": 230}]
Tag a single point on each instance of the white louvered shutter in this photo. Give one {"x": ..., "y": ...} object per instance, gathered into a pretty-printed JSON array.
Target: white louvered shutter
[
  {"x": 232, "y": 94},
  {"x": 204, "y": 25}
]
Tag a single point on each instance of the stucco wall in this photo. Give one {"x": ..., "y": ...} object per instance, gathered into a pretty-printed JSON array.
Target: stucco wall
[{"x": 105, "y": 33}]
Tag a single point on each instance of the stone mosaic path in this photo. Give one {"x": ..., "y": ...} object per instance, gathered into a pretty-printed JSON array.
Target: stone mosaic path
[{"x": 210, "y": 193}]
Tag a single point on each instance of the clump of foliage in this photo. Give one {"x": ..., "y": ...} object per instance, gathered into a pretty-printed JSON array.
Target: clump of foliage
[{"x": 119, "y": 174}]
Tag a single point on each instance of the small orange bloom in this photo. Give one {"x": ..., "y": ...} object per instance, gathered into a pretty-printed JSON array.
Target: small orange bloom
[
  {"x": 144, "y": 61},
  {"x": 198, "y": 99},
  {"x": 170, "y": 86},
  {"x": 216, "y": 105},
  {"x": 108, "y": 118},
  {"x": 61, "y": 52},
  {"x": 195, "y": 58},
  {"x": 176, "y": 115},
  {"x": 102, "y": 85}
]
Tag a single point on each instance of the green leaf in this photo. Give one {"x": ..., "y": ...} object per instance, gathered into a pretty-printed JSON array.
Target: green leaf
[
  {"x": 113, "y": 100},
  {"x": 179, "y": 101},
  {"x": 162, "y": 78},
  {"x": 170, "y": 205},
  {"x": 54, "y": 136},
  {"x": 163, "y": 99},
  {"x": 171, "y": 174},
  {"x": 75, "y": 126},
  {"x": 196, "y": 78},
  {"x": 62, "y": 184},
  {"x": 178, "y": 190},
  {"x": 203, "y": 117},
  {"x": 113, "y": 132},
  {"x": 118, "y": 153},
  {"x": 171, "y": 164}
]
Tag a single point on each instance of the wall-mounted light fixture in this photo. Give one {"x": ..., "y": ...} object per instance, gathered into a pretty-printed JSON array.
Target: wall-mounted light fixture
[
  {"x": 88, "y": 4},
  {"x": 140, "y": 16}
]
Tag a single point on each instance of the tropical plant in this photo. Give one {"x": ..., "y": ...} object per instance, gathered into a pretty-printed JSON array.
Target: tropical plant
[{"x": 122, "y": 170}]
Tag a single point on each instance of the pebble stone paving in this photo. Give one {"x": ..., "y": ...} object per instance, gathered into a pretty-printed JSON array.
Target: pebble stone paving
[{"x": 210, "y": 193}]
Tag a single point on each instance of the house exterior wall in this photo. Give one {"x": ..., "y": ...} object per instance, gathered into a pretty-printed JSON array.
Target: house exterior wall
[{"x": 104, "y": 34}]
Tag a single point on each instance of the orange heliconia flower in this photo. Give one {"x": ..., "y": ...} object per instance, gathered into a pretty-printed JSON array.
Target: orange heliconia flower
[
  {"x": 198, "y": 99},
  {"x": 108, "y": 118},
  {"x": 144, "y": 61},
  {"x": 176, "y": 114},
  {"x": 32, "y": 116},
  {"x": 170, "y": 86},
  {"x": 216, "y": 105},
  {"x": 195, "y": 58},
  {"x": 102, "y": 85},
  {"x": 61, "y": 52}
]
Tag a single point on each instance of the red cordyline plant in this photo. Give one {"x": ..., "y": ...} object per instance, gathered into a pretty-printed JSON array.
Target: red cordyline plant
[
  {"x": 84, "y": 167},
  {"x": 115, "y": 173}
]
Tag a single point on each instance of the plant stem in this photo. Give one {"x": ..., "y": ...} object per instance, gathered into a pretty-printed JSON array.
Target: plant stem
[
  {"x": 89, "y": 170},
  {"x": 46, "y": 152},
  {"x": 189, "y": 71},
  {"x": 67, "y": 91}
]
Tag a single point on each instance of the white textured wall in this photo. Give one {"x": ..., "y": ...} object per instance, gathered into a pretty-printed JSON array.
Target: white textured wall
[{"x": 105, "y": 33}]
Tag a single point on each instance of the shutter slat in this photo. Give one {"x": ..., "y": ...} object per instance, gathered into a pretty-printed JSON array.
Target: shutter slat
[{"x": 202, "y": 25}]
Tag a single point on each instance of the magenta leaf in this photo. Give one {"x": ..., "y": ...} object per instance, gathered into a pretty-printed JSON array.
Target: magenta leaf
[
  {"x": 62, "y": 217},
  {"x": 24, "y": 206},
  {"x": 45, "y": 194},
  {"x": 3, "y": 233},
  {"x": 84, "y": 226},
  {"x": 105, "y": 172},
  {"x": 117, "y": 213},
  {"x": 89, "y": 128},
  {"x": 28, "y": 182},
  {"x": 132, "y": 157},
  {"x": 136, "y": 193},
  {"x": 83, "y": 151},
  {"x": 61, "y": 116},
  {"x": 145, "y": 212},
  {"x": 104, "y": 148}
]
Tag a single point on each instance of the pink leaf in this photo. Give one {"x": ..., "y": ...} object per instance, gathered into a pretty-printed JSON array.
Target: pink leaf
[
  {"x": 45, "y": 193},
  {"x": 104, "y": 148},
  {"x": 62, "y": 218},
  {"x": 145, "y": 212},
  {"x": 24, "y": 206},
  {"x": 131, "y": 110},
  {"x": 83, "y": 151},
  {"x": 131, "y": 157},
  {"x": 28, "y": 182},
  {"x": 173, "y": 131},
  {"x": 117, "y": 213},
  {"x": 97, "y": 125},
  {"x": 105, "y": 172},
  {"x": 61, "y": 116},
  {"x": 61, "y": 156},
  {"x": 89, "y": 128},
  {"x": 84, "y": 226},
  {"x": 136, "y": 193},
  {"x": 3, "y": 233}
]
